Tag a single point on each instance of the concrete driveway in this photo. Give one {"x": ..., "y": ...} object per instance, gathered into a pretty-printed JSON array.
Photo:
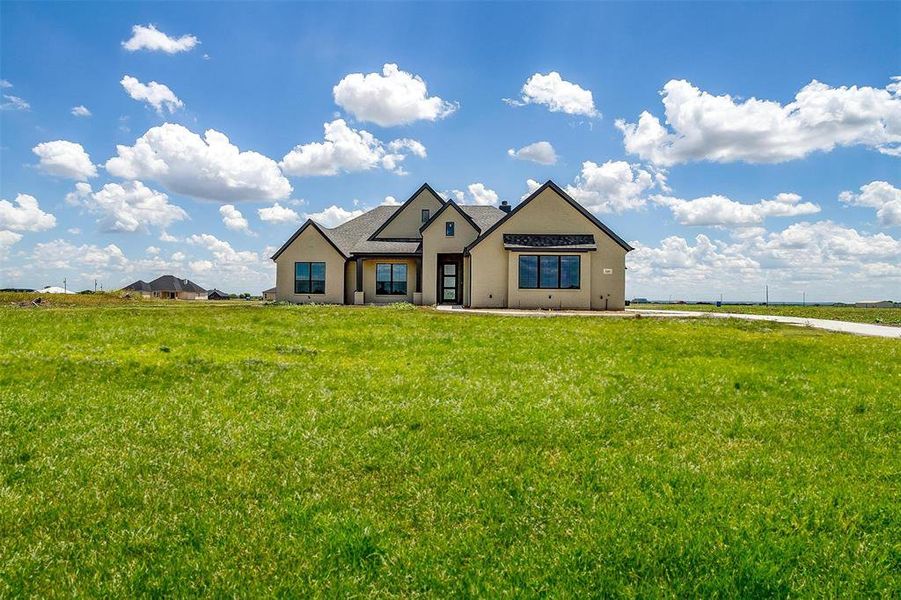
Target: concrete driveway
[{"x": 826, "y": 324}]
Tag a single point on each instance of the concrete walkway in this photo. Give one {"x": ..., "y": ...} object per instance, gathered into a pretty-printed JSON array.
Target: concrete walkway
[{"x": 826, "y": 324}]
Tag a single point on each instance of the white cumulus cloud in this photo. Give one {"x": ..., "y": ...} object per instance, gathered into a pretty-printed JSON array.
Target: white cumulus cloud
[
  {"x": 208, "y": 167},
  {"x": 804, "y": 257},
  {"x": 65, "y": 159},
  {"x": 60, "y": 254},
  {"x": 718, "y": 210},
  {"x": 614, "y": 186},
  {"x": 345, "y": 150},
  {"x": 557, "y": 94},
  {"x": 81, "y": 111},
  {"x": 233, "y": 219},
  {"x": 14, "y": 103},
  {"x": 882, "y": 196},
  {"x": 278, "y": 214},
  {"x": 24, "y": 215},
  {"x": 7, "y": 239},
  {"x": 148, "y": 37},
  {"x": 702, "y": 126},
  {"x": 127, "y": 207},
  {"x": 482, "y": 195},
  {"x": 540, "y": 152},
  {"x": 333, "y": 216},
  {"x": 392, "y": 97},
  {"x": 155, "y": 94}
]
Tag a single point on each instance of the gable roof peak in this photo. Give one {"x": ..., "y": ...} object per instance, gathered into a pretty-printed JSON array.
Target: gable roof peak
[
  {"x": 562, "y": 193},
  {"x": 400, "y": 209}
]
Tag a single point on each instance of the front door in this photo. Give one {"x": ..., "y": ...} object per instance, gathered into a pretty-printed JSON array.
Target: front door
[{"x": 450, "y": 279}]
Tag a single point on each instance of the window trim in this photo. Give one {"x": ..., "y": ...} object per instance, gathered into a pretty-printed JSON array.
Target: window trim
[
  {"x": 426, "y": 214},
  {"x": 309, "y": 278},
  {"x": 391, "y": 280},
  {"x": 538, "y": 258},
  {"x": 449, "y": 228}
]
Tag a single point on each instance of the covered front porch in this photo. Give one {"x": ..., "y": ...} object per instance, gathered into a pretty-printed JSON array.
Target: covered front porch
[{"x": 384, "y": 279}]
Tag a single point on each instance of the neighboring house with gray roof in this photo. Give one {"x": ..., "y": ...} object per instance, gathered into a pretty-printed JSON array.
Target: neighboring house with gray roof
[
  {"x": 168, "y": 287},
  {"x": 548, "y": 252}
]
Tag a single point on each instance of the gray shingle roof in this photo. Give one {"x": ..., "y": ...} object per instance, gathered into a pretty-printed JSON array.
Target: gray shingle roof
[
  {"x": 483, "y": 216},
  {"x": 548, "y": 240},
  {"x": 138, "y": 286},
  {"x": 349, "y": 234},
  {"x": 171, "y": 283},
  {"x": 353, "y": 236}
]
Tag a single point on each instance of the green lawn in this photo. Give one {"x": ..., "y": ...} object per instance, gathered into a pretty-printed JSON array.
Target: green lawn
[
  {"x": 875, "y": 316},
  {"x": 245, "y": 450}
]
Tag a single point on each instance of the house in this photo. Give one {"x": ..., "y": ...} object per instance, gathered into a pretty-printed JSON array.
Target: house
[
  {"x": 215, "y": 294},
  {"x": 548, "y": 252},
  {"x": 874, "y": 304},
  {"x": 54, "y": 289},
  {"x": 139, "y": 287},
  {"x": 269, "y": 294},
  {"x": 168, "y": 287}
]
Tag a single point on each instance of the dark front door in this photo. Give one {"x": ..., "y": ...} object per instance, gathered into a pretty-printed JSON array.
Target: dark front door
[{"x": 450, "y": 279}]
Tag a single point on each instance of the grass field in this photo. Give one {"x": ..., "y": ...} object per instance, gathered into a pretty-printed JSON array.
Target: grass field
[
  {"x": 875, "y": 316},
  {"x": 151, "y": 449}
]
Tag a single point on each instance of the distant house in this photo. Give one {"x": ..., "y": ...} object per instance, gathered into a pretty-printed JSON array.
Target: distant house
[
  {"x": 269, "y": 294},
  {"x": 139, "y": 287},
  {"x": 548, "y": 252},
  {"x": 875, "y": 304},
  {"x": 168, "y": 287},
  {"x": 54, "y": 289},
  {"x": 215, "y": 294}
]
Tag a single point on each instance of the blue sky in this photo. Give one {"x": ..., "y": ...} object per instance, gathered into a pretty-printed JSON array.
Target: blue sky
[{"x": 823, "y": 157}]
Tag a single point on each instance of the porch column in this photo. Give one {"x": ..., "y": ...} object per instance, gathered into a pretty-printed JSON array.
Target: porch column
[
  {"x": 417, "y": 295},
  {"x": 358, "y": 294},
  {"x": 419, "y": 275}
]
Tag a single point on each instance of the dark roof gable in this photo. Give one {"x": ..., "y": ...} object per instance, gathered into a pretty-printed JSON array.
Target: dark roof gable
[
  {"x": 565, "y": 196},
  {"x": 442, "y": 209},
  {"x": 424, "y": 186},
  {"x": 314, "y": 225}
]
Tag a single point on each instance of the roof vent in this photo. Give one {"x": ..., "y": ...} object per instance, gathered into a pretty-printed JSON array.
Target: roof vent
[{"x": 505, "y": 206}]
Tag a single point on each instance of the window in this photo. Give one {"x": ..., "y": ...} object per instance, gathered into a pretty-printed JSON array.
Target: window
[
  {"x": 425, "y": 215},
  {"x": 549, "y": 272},
  {"x": 309, "y": 278},
  {"x": 390, "y": 279},
  {"x": 449, "y": 229}
]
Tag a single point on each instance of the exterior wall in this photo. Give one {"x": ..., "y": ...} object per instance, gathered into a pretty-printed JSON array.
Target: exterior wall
[
  {"x": 310, "y": 246},
  {"x": 547, "y": 298},
  {"x": 434, "y": 242},
  {"x": 369, "y": 281},
  {"x": 407, "y": 222},
  {"x": 268, "y": 296},
  {"x": 492, "y": 276}
]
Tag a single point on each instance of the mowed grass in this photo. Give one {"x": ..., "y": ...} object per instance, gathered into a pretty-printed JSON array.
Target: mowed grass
[
  {"x": 874, "y": 316},
  {"x": 243, "y": 450}
]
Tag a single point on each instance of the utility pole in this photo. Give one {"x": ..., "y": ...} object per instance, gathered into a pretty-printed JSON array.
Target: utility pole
[
  {"x": 65, "y": 289},
  {"x": 767, "y": 295},
  {"x": 803, "y": 298},
  {"x": 95, "y": 286}
]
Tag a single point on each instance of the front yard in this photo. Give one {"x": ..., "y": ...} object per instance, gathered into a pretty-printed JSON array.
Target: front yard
[{"x": 238, "y": 449}]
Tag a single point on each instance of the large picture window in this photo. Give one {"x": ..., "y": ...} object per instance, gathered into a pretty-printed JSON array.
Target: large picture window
[
  {"x": 390, "y": 279},
  {"x": 309, "y": 278},
  {"x": 549, "y": 272}
]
